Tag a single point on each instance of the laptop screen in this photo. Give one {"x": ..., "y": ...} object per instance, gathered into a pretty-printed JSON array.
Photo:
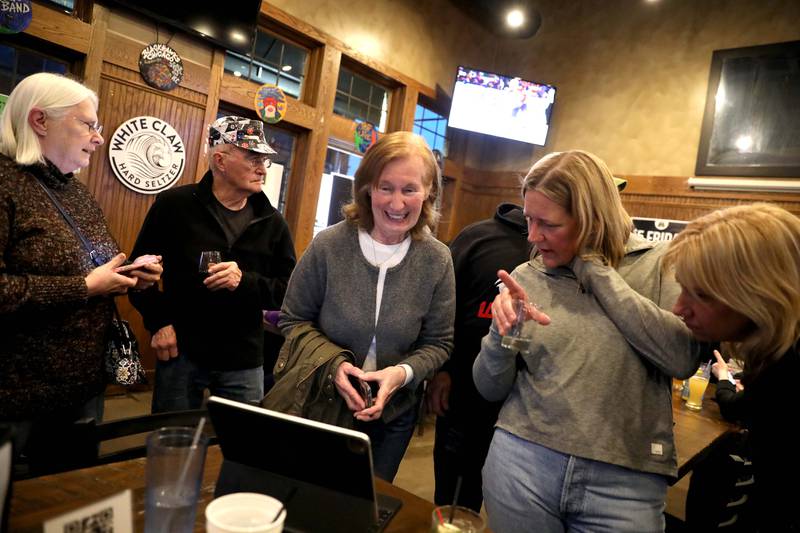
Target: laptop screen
[{"x": 320, "y": 454}]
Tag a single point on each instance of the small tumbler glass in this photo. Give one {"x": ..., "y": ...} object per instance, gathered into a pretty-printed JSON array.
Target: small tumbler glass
[
  {"x": 514, "y": 338},
  {"x": 207, "y": 259}
]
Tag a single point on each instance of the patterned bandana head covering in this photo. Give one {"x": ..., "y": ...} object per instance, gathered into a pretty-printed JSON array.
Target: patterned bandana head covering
[{"x": 242, "y": 132}]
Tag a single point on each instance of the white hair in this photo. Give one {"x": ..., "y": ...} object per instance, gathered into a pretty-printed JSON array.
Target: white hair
[{"x": 52, "y": 93}]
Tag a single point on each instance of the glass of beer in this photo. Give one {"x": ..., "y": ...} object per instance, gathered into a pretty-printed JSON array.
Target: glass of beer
[{"x": 697, "y": 388}]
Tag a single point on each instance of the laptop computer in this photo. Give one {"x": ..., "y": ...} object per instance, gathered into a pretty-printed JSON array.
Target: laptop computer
[{"x": 326, "y": 469}]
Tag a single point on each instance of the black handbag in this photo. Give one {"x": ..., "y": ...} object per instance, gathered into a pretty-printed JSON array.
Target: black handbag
[{"x": 122, "y": 361}]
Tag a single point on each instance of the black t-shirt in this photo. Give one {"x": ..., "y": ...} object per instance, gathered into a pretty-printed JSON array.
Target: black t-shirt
[{"x": 233, "y": 222}]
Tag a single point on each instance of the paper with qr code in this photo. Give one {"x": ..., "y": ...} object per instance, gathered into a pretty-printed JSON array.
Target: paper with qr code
[{"x": 111, "y": 515}]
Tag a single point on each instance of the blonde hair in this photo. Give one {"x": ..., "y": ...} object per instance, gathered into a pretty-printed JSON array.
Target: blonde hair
[
  {"x": 52, "y": 93},
  {"x": 391, "y": 147},
  {"x": 583, "y": 185},
  {"x": 747, "y": 258}
]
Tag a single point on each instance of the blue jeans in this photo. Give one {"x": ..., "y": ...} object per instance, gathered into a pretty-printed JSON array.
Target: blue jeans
[
  {"x": 389, "y": 441},
  {"x": 528, "y": 487},
  {"x": 180, "y": 384}
]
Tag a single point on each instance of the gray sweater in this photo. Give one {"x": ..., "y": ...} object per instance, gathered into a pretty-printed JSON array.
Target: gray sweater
[
  {"x": 333, "y": 287},
  {"x": 597, "y": 383}
]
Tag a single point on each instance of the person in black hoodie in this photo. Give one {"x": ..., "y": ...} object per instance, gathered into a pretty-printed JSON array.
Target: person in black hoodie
[
  {"x": 740, "y": 284},
  {"x": 465, "y": 420},
  {"x": 207, "y": 330}
]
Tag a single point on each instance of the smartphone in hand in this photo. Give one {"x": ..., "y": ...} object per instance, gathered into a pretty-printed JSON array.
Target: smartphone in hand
[
  {"x": 364, "y": 389},
  {"x": 134, "y": 265}
]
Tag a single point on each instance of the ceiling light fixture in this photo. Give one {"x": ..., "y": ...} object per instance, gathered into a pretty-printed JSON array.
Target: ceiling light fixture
[
  {"x": 286, "y": 68},
  {"x": 515, "y": 18}
]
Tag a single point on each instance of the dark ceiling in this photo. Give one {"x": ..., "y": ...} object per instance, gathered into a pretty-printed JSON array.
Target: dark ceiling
[{"x": 491, "y": 14}]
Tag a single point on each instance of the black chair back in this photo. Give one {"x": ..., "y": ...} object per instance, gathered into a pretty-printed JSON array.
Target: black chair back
[{"x": 721, "y": 487}]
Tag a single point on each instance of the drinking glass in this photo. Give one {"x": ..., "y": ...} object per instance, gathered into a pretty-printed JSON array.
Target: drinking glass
[
  {"x": 207, "y": 259},
  {"x": 514, "y": 339},
  {"x": 463, "y": 520},
  {"x": 173, "y": 476}
]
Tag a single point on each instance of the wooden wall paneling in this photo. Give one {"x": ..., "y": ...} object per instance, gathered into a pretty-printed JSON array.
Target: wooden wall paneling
[
  {"x": 303, "y": 189},
  {"x": 212, "y": 106},
  {"x": 57, "y": 27},
  {"x": 124, "y": 52},
  {"x": 93, "y": 64}
]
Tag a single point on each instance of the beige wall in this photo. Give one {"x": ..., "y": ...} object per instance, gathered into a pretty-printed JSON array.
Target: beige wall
[
  {"x": 424, "y": 40},
  {"x": 632, "y": 76}
]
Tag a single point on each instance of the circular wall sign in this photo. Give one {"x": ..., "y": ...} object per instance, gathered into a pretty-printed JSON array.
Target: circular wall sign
[
  {"x": 270, "y": 103},
  {"x": 146, "y": 154},
  {"x": 15, "y": 15},
  {"x": 161, "y": 66}
]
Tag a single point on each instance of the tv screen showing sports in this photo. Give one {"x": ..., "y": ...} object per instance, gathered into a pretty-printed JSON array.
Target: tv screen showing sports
[{"x": 511, "y": 108}]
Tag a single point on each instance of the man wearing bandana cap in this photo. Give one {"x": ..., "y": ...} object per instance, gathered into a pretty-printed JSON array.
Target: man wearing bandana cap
[{"x": 207, "y": 329}]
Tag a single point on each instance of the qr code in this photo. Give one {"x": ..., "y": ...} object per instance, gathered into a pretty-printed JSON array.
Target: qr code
[{"x": 101, "y": 522}]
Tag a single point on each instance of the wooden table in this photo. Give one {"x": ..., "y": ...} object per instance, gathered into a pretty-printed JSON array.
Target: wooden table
[
  {"x": 696, "y": 431},
  {"x": 40, "y": 499}
]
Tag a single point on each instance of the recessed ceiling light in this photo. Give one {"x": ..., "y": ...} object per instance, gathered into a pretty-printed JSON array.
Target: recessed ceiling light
[
  {"x": 286, "y": 68},
  {"x": 238, "y": 36},
  {"x": 515, "y": 18}
]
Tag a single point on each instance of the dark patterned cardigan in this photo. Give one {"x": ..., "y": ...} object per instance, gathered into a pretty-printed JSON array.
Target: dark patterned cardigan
[{"x": 51, "y": 334}]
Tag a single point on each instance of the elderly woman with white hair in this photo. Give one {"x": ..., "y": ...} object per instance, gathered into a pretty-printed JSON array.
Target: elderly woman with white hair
[{"x": 56, "y": 298}]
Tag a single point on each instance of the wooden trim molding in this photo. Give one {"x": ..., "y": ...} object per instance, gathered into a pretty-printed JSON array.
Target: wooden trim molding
[{"x": 59, "y": 28}]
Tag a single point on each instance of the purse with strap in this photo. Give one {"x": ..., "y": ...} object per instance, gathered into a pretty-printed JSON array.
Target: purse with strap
[{"x": 123, "y": 364}]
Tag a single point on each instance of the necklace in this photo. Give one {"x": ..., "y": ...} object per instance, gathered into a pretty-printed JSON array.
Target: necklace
[{"x": 375, "y": 253}]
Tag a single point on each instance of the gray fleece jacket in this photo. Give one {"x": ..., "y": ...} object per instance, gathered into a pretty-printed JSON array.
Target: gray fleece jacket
[
  {"x": 597, "y": 383},
  {"x": 333, "y": 287}
]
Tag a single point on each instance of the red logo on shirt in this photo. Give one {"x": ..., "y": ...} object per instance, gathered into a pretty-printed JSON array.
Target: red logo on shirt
[{"x": 485, "y": 310}]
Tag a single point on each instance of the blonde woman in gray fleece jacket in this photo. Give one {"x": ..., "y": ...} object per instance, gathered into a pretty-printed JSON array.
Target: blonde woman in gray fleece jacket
[
  {"x": 584, "y": 439},
  {"x": 379, "y": 284}
]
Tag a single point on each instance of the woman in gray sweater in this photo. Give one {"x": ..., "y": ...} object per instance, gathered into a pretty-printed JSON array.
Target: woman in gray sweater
[
  {"x": 379, "y": 284},
  {"x": 584, "y": 439}
]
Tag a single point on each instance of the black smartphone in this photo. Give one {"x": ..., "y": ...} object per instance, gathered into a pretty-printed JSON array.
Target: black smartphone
[{"x": 364, "y": 389}]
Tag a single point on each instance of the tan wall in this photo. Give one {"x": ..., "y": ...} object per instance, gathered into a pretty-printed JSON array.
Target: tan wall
[
  {"x": 632, "y": 76},
  {"x": 424, "y": 40}
]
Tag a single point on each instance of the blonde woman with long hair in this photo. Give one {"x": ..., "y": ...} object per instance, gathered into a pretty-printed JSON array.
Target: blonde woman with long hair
[{"x": 740, "y": 285}]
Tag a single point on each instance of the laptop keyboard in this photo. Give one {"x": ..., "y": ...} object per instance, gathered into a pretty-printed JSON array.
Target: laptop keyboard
[{"x": 383, "y": 518}]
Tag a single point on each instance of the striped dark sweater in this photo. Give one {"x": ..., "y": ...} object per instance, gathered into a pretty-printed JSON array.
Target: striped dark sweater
[{"x": 51, "y": 334}]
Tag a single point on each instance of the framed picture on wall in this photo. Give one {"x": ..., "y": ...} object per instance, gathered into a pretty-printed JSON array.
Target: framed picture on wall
[{"x": 751, "y": 124}]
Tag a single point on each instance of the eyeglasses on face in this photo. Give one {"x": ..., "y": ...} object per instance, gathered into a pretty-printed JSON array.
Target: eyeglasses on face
[
  {"x": 255, "y": 160},
  {"x": 94, "y": 127}
]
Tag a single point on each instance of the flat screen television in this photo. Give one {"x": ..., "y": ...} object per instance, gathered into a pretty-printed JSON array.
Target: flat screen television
[
  {"x": 230, "y": 25},
  {"x": 502, "y": 106}
]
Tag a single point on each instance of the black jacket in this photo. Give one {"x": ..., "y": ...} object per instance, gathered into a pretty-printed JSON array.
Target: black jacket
[
  {"x": 219, "y": 330},
  {"x": 479, "y": 251}
]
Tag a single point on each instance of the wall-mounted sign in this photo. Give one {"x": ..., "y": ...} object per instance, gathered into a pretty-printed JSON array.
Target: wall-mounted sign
[
  {"x": 161, "y": 66},
  {"x": 657, "y": 229},
  {"x": 146, "y": 154},
  {"x": 15, "y": 15},
  {"x": 270, "y": 103},
  {"x": 366, "y": 135}
]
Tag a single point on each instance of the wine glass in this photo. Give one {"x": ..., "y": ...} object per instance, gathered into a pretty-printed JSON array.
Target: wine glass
[{"x": 207, "y": 259}]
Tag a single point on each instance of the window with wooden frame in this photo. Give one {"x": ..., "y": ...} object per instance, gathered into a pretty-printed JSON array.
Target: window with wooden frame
[
  {"x": 359, "y": 98},
  {"x": 18, "y": 62},
  {"x": 274, "y": 60}
]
